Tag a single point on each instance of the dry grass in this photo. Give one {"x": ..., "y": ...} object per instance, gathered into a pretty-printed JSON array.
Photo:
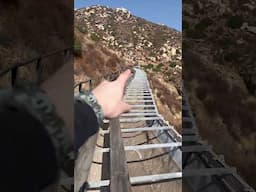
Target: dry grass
[
  {"x": 169, "y": 100},
  {"x": 96, "y": 60}
]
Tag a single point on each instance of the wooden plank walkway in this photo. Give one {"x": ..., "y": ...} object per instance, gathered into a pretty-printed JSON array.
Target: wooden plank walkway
[{"x": 118, "y": 167}]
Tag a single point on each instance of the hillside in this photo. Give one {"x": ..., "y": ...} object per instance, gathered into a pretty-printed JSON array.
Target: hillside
[
  {"x": 220, "y": 77},
  {"x": 92, "y": 60},
  {"x": 32, "y": 28},
  {"x": 134, "y": 41}
]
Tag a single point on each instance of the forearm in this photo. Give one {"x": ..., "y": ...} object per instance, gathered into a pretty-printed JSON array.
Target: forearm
[{"x": 86, "y": 123}]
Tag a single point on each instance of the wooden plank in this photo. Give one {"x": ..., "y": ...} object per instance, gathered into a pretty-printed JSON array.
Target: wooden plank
[
  {"x": 118, "y": 166},
  {"x": 84, "y": 161}
]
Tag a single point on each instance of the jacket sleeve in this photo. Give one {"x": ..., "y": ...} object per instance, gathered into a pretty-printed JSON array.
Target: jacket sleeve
[
  {"x": 86, "y": 123},
  {"x": 29, "y": 157}
]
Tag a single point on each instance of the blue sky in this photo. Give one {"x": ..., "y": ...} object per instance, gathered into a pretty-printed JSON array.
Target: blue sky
[{"x": 168, "y": 12}]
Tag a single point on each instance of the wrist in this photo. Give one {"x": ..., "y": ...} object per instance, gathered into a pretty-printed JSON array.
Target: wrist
[
  {"x": 89, "y": 98},
  {"x": 29, "y": 97}
]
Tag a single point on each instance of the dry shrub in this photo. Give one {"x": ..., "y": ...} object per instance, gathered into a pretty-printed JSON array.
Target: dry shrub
[
  {"x": 169, "y": 98},
  {"x": 94, "y": 58},
  {"x": 166, "y": 96},
  {"x": 96, "y": 61},
  {"x": 105, "y": 51},
  {"x": 113, "y": 61}
]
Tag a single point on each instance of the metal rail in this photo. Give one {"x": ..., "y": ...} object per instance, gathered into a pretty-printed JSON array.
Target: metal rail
[
  {"x": 198, "y": 155},
  {"x": 109, "y": 77},
  {"x": 13, "y": 69}
]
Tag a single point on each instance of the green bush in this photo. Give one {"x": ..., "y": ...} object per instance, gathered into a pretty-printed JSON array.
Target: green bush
[
  {"x": 235, "y": 21},
  {"x": 95, "y": 37},
  {"x": 77, "y": 48},
  {"x": 155, "y": 69},
  {"x": 226, "y": 42},
  {"x": 172, "y": 64},
  {"x": 160, "y": 65},
  {"x": 196, "y": 34},
  {"x": 150, "y": 66},
  {"x": 231, "y": 56},
  {"x": 185, "y": 25},
  {"x": 203, "y": 24},
  {"x": 178, "y": 51},
  {"x": 83, "y": 29},
  {"x": 5, "y": 40}
]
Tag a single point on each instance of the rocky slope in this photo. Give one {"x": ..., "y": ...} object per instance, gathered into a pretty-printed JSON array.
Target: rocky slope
[
  {"x": 135, "y": 41},
  {"x": 220, "y": 77},
  {"x": 134, "y": 38}
]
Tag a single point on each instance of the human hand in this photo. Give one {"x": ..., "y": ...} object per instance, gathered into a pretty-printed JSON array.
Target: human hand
[{"x": 110, "y": 96}]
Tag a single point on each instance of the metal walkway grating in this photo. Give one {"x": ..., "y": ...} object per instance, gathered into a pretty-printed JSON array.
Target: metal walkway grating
[
  {"x": 199, "y": 167},
  {"x": 139, "y": 95}
]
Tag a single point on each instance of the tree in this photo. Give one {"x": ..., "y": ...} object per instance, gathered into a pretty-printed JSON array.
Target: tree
[{"x": 77, "y": 48}]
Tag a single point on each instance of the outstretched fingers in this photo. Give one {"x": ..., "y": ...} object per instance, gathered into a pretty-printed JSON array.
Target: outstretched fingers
[
  {"x": 123, "y": 78},
  {"x": 124, "y": 107}
]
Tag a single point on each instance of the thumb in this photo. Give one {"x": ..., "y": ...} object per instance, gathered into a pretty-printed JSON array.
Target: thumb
[
  {"x": 124, "y": 107},
  {"x": 123, "y": 77}
]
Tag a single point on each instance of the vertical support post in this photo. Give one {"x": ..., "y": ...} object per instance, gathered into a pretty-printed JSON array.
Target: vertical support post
[
  {"x": 65, "y": 52},
  {"x": 90, "y": 84},
  {"x": 14, "y": 75},
  {"x": 38, "y": 71},
  {"x": 80, "y": 87},
  {"x": 120, "y": 180}
]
